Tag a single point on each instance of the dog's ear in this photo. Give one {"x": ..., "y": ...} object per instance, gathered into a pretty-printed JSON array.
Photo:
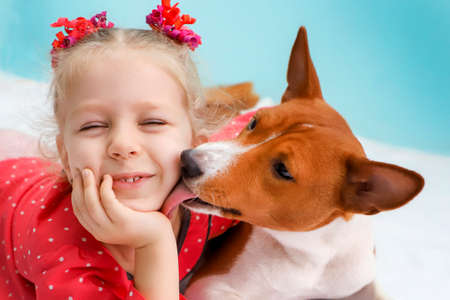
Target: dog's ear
[
  {"x": 301, "y": 75},
  {"x": 371, "y": 187},
  {"x": 229, "y": 100}
]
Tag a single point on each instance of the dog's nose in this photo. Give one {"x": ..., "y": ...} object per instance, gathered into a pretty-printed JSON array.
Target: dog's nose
[{"x": 189, "y": 167}]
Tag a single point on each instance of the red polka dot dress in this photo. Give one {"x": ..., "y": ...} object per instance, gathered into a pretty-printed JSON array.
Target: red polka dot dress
[{"x": 46, "y": 254}]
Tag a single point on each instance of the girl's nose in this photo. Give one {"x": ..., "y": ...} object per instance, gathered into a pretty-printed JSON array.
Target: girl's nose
[
  {"x": 123, "y": 154},
  {"x": 123, "y": 147}
]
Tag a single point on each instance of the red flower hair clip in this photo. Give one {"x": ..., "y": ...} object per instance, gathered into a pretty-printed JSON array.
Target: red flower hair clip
[
  {"x": 76, "y": 30},
  {"x": 166, "y": 18}
]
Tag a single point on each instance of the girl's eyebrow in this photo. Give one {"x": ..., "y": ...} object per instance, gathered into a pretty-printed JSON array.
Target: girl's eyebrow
[
  {"x": 95, "y": 107},
  {"x": 90, "y": 107},
  {"x": 146, "y": 105}
]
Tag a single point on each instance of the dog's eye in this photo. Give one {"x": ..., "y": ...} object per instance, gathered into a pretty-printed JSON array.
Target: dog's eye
[
  {"x": 281, "y": 171},
  {"x": 252, "y": 124}
]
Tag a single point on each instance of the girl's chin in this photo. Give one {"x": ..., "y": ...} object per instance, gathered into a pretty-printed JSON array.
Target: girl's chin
[{"x": 141, "y": 204}]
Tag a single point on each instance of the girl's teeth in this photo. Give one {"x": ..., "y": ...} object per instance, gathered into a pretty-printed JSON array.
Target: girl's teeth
[{"x": 131, "y": 180}]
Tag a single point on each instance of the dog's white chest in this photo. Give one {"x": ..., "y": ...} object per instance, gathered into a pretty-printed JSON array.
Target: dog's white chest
[{"x": 334, "y": 261}]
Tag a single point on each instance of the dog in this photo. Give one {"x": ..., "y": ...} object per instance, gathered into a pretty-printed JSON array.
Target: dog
[{"x": 302, "y": 186}]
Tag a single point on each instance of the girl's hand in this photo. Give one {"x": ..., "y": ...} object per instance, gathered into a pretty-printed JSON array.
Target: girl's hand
[
  {"x": 110, "y": 221},
  {"x": 149, "y": 233}
]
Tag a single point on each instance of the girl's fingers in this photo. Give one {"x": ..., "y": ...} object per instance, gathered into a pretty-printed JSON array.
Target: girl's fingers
[
  {"x": 77, "y": 195},
  {"x": 112, "y": 206},
  {"x": 78, "y": 206},
  {"x": 91, "y": 198}
]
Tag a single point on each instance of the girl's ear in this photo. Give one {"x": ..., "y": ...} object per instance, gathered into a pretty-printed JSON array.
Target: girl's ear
[{"x": 64, "y": 156}]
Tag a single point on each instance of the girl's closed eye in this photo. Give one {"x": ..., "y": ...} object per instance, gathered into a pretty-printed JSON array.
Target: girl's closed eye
[
  {"x": 153, "y": 122},
  {"x": 92, "y": 125}
]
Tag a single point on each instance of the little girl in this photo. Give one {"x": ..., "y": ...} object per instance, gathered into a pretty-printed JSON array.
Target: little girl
[{"x": 126, "y": 103}]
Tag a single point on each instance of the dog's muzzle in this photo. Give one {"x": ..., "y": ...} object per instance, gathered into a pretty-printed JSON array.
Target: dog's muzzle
[{"x": 189, "y": 167}]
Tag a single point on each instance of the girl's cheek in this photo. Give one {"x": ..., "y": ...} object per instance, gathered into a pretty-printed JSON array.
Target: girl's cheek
[
  {"x": 80, "y": 158},
  {"x": 168, "y": 156}
]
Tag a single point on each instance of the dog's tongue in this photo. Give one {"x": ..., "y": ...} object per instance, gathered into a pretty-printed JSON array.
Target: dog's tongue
[{"x": 179, "y": 194}]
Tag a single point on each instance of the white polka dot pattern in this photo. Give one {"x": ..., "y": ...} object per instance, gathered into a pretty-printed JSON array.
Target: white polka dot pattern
[
  {"x": 48, "y": 246},
  {"x": 53, "y": 252}
]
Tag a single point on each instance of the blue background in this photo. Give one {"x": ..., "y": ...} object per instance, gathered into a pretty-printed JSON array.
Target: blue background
[{"x": 383, "y": 64}]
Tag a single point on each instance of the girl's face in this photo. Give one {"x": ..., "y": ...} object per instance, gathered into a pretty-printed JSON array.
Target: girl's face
[{"x": 126, "y": 117}]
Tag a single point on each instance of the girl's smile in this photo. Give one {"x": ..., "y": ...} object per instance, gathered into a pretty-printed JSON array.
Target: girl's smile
[{"x": 130, "y": 180}]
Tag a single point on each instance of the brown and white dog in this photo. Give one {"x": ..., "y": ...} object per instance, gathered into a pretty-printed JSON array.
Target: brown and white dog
[{"x": 302, "y": 185}]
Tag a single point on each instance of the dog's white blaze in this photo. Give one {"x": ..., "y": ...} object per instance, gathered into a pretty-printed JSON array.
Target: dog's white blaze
[
  {"x": 273, "y": 136},
  {"x": 214, "y": 158}
]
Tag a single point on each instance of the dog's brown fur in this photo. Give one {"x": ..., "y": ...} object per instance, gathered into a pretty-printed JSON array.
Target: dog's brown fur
[
  {"x": 229, "y": 100},
  {"x": 331, "y": 175}
]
